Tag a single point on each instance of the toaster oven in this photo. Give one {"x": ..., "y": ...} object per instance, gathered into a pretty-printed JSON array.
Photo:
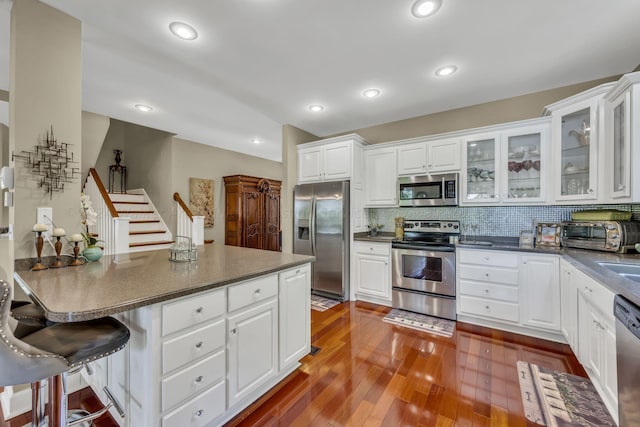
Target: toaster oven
[{"x": 609, "y": 236}]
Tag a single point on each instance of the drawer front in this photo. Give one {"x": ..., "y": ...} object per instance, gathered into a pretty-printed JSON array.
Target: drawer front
[
  {"x": 498, "y": 310},
  {"x": 489, "y": 274},
  {"x": 192, "y": 311},
  {"x": 373, "y": 248},
  {"x": 199, "y": 412},
  {"x": 192, "y": 380},
  {"x": 599, "y": 296},
  {"x": 493, "y": 258},
  {"x": 252, "y": 292},
  {"x": 194, "y": 345},
  {"x": 489, "y": 291}
]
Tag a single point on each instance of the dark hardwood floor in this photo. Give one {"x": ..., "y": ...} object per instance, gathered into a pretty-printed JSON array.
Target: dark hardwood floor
[{"x": 371, "y": 373}]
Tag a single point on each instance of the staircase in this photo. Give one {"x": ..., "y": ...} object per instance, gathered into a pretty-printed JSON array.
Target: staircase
[{"x": 147, "y": 230}]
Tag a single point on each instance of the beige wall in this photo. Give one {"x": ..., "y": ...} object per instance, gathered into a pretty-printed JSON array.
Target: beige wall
[
  {"x": 291, "y": 137},
  {"x": 94, "y": 132},
  {"x": 45, "y": 90},
  {"x": 491, "y": 113},
  {"x": 195, "y": 160}
]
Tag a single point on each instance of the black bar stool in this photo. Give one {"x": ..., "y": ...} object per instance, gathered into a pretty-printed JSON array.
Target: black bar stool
[{"x": 50, "y": 352}]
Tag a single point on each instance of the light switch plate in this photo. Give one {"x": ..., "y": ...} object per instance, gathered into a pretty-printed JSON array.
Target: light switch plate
[{"x": 45, "y": 216}]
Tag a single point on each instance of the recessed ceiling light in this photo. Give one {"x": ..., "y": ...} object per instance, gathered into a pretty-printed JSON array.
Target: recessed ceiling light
[
  {"x": 255, "y": 141},
  {"x": 183, "y": 31},
  {"x": 447, "y": 70},
  {"x": 424, "y": 8},
  {"x": 371, "y": 93},
  {"x": 316, "y": 108},
  {"x": 143, "y": 108}
]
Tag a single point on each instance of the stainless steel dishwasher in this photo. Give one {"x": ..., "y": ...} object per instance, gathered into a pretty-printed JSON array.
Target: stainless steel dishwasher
[{"x": 628, "y": 357}]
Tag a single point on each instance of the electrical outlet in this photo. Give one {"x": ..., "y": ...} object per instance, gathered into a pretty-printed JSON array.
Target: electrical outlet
[{"x": 45, "y": 216}]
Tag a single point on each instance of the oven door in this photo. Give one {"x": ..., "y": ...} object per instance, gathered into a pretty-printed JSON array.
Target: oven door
[{"x": 424, "y": 271}]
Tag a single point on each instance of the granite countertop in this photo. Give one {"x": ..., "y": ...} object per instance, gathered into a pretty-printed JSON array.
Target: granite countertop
[
  {"x": 584, "y": 260},
  {"x": 119, "y": 283}
]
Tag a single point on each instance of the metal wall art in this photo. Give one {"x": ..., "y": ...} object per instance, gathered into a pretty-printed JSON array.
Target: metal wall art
[{"x": 51, "y": 162}]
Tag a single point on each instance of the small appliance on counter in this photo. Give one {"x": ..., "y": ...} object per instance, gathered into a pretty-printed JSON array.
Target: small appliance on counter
[{"x": 601, "y": 235}]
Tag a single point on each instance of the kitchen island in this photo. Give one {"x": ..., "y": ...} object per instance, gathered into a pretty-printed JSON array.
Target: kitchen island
[{"x": 207, "y": 338}]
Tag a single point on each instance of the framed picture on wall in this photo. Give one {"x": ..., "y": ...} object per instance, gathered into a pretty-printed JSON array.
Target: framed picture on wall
[{"x": 548, "y": 234}]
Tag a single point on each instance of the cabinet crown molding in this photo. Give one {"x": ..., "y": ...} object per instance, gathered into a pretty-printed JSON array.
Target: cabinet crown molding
[
  {"x": 578, "y": 97},
  {"x": 622, "y": 85},
  {"x": 349, "y": 137}
]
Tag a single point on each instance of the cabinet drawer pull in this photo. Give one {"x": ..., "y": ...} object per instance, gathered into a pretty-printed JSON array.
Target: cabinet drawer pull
[
  {"x": 486, "y": 291},
  {"x": 257, "y": 292},
  {"x": 198, "y": 379},
  {"x": 198, "y": 413},
  {"x": 199, "y": 310},
  {"x": 199, "y": 344},
  {"x": 486, "y": 275}
]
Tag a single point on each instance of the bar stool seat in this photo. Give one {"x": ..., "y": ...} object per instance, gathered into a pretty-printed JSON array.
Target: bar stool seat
[
  {"x": 30, "y": 317},
  {"x": 50, "y": 352}
]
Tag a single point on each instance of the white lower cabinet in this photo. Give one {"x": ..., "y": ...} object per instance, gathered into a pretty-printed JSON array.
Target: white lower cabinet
[
  {"x": 373, "y": 272},
  {"x": 295, "y": 315},
  {"x": 569, "y": 275},
  {"x": 201, "y": 359},
  {"x": 597, "y": 339},
  {"x": 252, "y": 349},
  {"x": 515, "y": 291},
  {"x": 540, "y": 291}
]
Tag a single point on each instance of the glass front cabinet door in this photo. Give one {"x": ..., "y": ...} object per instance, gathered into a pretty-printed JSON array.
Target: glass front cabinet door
[
  {"x": 480, "y": 175},
  {"x": 525, "y": 164},
  {"x": 574, "y": 134}
]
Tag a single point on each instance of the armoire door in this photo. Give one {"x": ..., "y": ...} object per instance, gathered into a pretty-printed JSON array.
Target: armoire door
[
  {"x": 271, "y": 221},
  {"x": 252, "y": 215}
]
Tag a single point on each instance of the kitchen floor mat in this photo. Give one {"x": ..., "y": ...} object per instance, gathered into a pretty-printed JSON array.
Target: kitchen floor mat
[
  {"x": 555, "y": 398},
  {"x": 319, "y": 303},
  {"x": 420, "y": 322}
]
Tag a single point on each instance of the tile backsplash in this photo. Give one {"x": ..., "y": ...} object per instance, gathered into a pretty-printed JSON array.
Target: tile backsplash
[{"x": 490, "y": 221}]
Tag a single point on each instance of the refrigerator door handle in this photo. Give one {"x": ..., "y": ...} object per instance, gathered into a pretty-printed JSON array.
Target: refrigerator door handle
[{"x": 312, "y": 231}]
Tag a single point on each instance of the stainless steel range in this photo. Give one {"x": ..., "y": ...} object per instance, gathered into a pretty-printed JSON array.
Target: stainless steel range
[{"x": 424, "y": 268}]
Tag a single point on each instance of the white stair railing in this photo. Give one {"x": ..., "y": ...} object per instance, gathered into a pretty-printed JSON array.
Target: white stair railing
[
  {"x": 188, "y": 225},
  {"x": 111, "y": 229}
]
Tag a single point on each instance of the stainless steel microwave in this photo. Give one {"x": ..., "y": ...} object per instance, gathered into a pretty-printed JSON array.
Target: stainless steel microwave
[{"x": 428, "y": 190}]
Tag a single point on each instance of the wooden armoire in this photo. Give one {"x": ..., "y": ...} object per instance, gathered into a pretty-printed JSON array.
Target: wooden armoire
[{"x": 252, "y": 212}]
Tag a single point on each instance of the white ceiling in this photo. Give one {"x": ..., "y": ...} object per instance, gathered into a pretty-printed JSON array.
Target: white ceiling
[{"x": 259, "y": 64}]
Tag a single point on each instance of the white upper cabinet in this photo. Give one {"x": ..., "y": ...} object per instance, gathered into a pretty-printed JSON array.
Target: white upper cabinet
[
  {"x": 575, "y": 130},
  {"x": 481, "y": 174},
  {"x": 380, "y": 186},
  {"x": 443, "y": 156},
  {"x": 429, "y": 157},
  {"x": 622, "y": 133},
  {"x": 333, "y": 159},
  {"x": 412, "y": 159},
  {"x": 507, "y": 165}
]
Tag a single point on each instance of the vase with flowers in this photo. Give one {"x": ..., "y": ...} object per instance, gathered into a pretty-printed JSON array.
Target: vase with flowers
[{"x": 89, "y": 217}]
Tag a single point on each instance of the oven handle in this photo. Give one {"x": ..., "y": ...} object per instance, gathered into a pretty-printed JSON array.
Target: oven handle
[{"x": 423, "y": 248}]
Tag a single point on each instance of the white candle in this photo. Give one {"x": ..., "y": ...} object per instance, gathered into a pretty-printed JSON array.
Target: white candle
[
  {"x": 58, "y": 232},
  {"x": 39, "y": 227},
  {"x": 75, "y": 238}
]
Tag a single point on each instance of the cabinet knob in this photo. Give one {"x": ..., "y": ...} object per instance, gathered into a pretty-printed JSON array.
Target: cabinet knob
[
  {"x": 198, "y": 379},
  {"x": 621, "y": 187},
  {"x": 487, "y": 307},
  {"x": 590, "y": 191},
  {"x": 199, "y": 344},
  {"x": 233, "y": 331},
  {"x": 486, "y": 291},
  {"x": 199, "y": 310},
  {"x": 486, "y": 275},
  {"x": 198, "y": 413},
  {"x": 297, "y": 271},
  {"x": 257, "y": 292}
]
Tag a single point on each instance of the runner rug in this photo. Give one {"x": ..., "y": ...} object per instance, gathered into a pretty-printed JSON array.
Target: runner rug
[
  {"x": 420, "y": 322},
  {"x": 555, "y": 398},
  {"x": 322, "y": 304}
]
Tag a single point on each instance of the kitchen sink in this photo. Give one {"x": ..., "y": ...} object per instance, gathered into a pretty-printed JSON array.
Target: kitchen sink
[{"x": 630, "y": 271}]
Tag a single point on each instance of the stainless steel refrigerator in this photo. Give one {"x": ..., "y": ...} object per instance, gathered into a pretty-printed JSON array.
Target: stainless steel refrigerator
[{"x": 321, "y": 228}]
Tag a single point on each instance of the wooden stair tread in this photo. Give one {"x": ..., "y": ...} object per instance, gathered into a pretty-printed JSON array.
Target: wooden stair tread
[
  {"x": 137, "y": 212},
  {"x": 129, "y": 203},
  {"x": 135, "y": 233},
  {"x": 143, "y": 221},
  {"x": 161, "y": 242}
]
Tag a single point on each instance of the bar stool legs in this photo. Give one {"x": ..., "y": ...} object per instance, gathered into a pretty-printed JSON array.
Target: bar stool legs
[
  {"x": 38, "y": 404},
  {"x": 58, "y": 401}
]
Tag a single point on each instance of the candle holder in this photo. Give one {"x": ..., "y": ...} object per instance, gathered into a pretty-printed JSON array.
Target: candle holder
[
  {"x": 76, "y": 253},
  {"x": 58, "y": 262},
  {"x": 39, "y": 245}
]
